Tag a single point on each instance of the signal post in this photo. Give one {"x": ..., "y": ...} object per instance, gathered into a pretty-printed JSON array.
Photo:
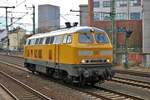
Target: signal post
[{"x": 127, "y": 36}]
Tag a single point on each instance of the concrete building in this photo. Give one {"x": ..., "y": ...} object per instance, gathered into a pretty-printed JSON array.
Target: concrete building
[
  {"x": 3, "y": 43},
  {"x": 83, "y": 15},
  {"x": 129, "y": 16},
  {"x": 48, "y": 18},
  {"x": 16, "y": 39},
  {"x": 146, "y": 32}
]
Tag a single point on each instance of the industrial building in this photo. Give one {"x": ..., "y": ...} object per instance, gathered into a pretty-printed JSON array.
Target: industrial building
[{"x": 48, "y": 18}]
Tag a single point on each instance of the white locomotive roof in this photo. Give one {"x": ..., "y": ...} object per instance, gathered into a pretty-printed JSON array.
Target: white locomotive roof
[{"x": 66, "y": 31}]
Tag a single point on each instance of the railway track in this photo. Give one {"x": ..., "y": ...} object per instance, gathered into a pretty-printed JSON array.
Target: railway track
[
  {"x": 97, "y": 92},
  {"x": 19, "y": 90},
  {"x": 130, "y": 72},
  {"x": 107, "y": 94},
  {"x": 18, "y": 60},
  {"x": 137, "y": 83},
  {"x": 9, "y": 92}
]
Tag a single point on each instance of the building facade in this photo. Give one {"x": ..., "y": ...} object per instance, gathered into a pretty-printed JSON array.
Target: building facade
[
  {"x": 16, "y": 39},
  {"x": 125, "y": 9},
  {"x": 146, "y": 32},
  {"x": 48, "y": 18},
  {"x": 128, "y": 16}
]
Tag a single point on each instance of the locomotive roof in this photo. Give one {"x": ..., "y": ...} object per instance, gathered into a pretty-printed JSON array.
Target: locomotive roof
[{"x": 81, "y": 29}]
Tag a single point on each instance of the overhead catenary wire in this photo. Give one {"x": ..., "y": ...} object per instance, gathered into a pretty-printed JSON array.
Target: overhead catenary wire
[
  {"x": 22, "y": 2},
  {"x": 4, "y": 1},
  {"x": 64, "y": 18},
  {"x": 17, "y": 20}
]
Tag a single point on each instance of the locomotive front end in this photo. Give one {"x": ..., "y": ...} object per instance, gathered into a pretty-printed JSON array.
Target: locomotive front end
[{"x": 94, "y": 57}]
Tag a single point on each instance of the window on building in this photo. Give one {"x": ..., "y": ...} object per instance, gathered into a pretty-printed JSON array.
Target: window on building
[
  {"x": 96, "y": 4},
  {"x": 121, "y": 16},
  {"x": 135, "y": 3},
  {"x": 135, "y": 16},
  {"x": 96, "y": 16},
  {"x": 121, "y": 3},
  {"x": 121, "y": 29},
  {"x": 101, "y": 16},
  {"x": 106, "y": 16},
  {"x": 106, "y": 3}
]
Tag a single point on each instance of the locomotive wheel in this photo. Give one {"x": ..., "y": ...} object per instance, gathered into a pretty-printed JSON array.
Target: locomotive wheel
[
  {"x": 82, "y": 81},
  {"x": 33, "y": 72}
]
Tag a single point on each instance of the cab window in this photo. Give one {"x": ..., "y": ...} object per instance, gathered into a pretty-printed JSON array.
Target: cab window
[
  {"x": 86, "y": 38},
  {"x": 101, "y": 38},
  {"x": 67, "y": 39}
]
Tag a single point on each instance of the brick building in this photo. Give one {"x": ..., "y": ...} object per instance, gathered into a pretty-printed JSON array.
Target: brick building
[{"x": 129, "y": 15}]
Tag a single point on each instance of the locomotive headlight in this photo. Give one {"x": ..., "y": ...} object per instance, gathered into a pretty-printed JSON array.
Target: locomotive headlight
[
  {"x": 83, "y": 61},
  {"x": 108, "y": 61}
]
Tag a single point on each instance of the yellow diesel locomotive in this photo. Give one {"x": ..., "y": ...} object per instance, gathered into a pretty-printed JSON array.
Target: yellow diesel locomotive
[{"x": 77, "y": 54}]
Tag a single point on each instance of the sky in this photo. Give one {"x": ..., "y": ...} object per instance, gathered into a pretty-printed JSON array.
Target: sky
[{"x": 65, "y": 6}]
